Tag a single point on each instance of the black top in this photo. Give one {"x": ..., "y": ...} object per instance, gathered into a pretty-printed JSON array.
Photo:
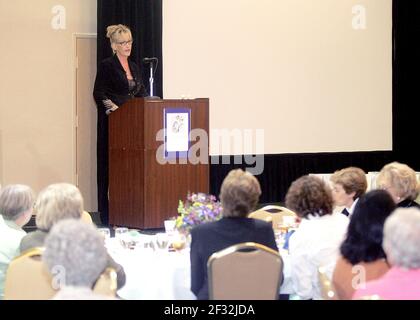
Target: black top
[
  {"x": 111, "y": 83},
  {"x": 407, "y": 203},
  {"x": 211, "y": 237}
]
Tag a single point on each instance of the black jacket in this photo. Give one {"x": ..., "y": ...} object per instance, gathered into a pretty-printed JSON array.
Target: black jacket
[
  {"x": 111, "y": 83},
  {"x": 211, "y": 237}
]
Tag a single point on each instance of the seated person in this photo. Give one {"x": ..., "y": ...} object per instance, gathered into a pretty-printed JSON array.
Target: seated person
[
  {"x": 316, "y": 241},
  {"x": 362, "y": 257},
  {"x": 16, "y": 203},
  {"x": 76, "y": 256},
  {"x": 55, "y": 203},
  {"x": 402, "y": 247},
  {"x": 348, "y": 185},
  {"x": 239, "y": 196},
  {"x": 401, "y": 183}
]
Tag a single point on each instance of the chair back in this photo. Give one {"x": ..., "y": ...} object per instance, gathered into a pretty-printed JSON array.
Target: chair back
[
  {"x": 86, "y": 217},
  {"x": 273, "y": 214},
  {"x": 27, "y": 278},
  {"x": 246, "y": 271},
  {"x": 107, "y": 283},
  {"x": 328, "y": 291}
]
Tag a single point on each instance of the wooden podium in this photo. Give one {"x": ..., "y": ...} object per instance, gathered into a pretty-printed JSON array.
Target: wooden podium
[{"x": 143, "y": 192}]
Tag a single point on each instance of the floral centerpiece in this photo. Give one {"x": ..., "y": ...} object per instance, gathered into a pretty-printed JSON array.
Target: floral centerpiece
[{"x": 197, "y": 209}]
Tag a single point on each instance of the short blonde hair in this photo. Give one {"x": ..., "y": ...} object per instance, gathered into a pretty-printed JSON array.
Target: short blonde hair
[
  {"x": 401, "y": 177},
  {"x": 239, "y": 194},
  {"x": 115, "y": 31},
  {"x": 57, "y": 202},
  {"x": 352, "y": 179}
]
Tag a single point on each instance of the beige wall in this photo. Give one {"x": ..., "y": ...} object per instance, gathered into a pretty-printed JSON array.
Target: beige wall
[
  {"x": 296, "y": 68},
  {"x": 37, "y": 90}
]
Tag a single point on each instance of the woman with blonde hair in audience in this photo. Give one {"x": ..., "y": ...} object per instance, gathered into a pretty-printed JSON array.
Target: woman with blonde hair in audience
[
  {"x": 239, "y": 195},
  {"x": 317, "y": 240},
  {"x": 401, "y": 244},
  {"x": 362, "y": 257},
  {"x": 401, "y": 182},
  {"x": 16, "y": 202},
  {"x": 348, "y": 185},
  {"x": 58, "y": 202}
]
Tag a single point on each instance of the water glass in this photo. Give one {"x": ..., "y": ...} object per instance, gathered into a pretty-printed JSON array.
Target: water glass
[
  {"x": 162, "y": 241},
  {"x": 120, "y": 232},
  {"x": 106, "y": 233}
]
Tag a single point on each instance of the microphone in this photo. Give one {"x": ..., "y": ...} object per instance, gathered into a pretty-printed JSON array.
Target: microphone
[{"x": 150, "y": 60}]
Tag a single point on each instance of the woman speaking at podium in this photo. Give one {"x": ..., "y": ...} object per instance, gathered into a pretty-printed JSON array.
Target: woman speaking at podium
[{"x": 118, "y": 79}]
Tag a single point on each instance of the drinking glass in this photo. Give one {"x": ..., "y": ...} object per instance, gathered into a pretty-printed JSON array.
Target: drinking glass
[
  {"x": 106, "y": 233},
  {"x": 162, "y": 241},
  {"x": 120, "y": 233}
]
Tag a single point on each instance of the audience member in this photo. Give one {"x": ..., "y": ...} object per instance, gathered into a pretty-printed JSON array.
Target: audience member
[
  {"x": 239, "y": 195},
  {"x": 16, "y": 202},
  {"x": 55, "y": 203},
  {"x": 76, "y": 256},
  {"x": 401, "y": 244},
  {"x": 362, "y": 257},
  {"x": 317, "y": 240},
  {"x": 401, "y": 182},
  {"x": 348, "y": 185}
]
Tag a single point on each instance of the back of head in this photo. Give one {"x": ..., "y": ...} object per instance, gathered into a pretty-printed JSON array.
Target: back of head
[
  {"x": 402, "y": 238},
  {"x": 309, "y": 195},
  {"x": 401, "y": 178},
  {"x": 352, "y": 179},
  {"x": 58, "y": 202},
  {"x": 364, "y": 237},
  {"x": 75, "y": 253},
  {"x": 239, "y": 193},
  {"x": 15, "y": 200}
]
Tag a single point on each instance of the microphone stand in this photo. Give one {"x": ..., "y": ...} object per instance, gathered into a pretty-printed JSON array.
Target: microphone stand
[{"x": 151, "y": 80}]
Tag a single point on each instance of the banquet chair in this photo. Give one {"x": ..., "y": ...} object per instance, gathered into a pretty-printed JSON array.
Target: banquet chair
[
  {"x": 27, "y": 278},
  {"x": 245, "y": 271},
  {"x": 275, "y": 212},
  {"x": 107, "y": 283},
  {"x": 86, "y": 217},
  {"x": 328, "y": 291}
]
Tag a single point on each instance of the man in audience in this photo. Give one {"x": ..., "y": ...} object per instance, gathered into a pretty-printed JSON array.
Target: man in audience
[
  {"x": 317, "y": 240},
  {"x": 348, "y": 185},
  {"x": 16, "y": 202},
  {"x": 239, "y": 195},
  {"x": 76, "y": 256},
  {"x": 402, "y": 246}
]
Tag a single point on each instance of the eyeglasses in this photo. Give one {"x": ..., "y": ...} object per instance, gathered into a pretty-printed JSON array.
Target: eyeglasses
[{"x": 124, "y": 43}]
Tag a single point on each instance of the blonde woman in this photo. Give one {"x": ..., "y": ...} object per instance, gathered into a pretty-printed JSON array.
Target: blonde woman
[
  {"x": 401, "y": 183},
  {"x": 118, "y": 79},
  {"x": 57, "y": 202}
]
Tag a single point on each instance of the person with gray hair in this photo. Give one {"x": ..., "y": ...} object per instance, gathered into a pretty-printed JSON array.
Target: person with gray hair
[
  {"x": 401, "y": 244},
  {"x": 16, "y": 202},
  {"x": 55, "y": 203},
  {"x": 76, "y": 256}
]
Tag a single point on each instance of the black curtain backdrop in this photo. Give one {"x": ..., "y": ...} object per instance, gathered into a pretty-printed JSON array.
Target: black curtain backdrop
[{"x": 406, "y": 83}]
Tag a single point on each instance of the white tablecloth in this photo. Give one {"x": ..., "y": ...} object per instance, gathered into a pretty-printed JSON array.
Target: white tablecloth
[{"x": 154, "y": 275}]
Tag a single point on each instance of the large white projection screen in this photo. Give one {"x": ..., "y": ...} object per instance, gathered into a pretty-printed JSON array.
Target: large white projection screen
[{"x": 315, "y": 75}]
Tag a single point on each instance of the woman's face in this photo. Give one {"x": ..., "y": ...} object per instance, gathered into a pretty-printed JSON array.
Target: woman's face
[
  {"x": 341, "y": 198},
  {"x": 123, "y": 45}
]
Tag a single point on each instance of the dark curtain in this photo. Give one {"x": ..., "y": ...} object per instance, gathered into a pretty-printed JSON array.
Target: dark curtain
[
  {"x": 144, "y": 18},
  {"x": 406, "y": 84}
]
